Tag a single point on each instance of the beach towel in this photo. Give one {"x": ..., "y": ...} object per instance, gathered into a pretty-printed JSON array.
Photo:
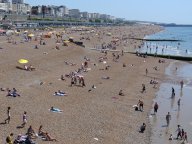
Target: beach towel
[{"x": 60, "y": 94}]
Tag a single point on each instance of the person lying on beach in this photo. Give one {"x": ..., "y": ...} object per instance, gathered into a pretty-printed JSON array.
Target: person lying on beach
[
  {"x": 93, "y": 87},
  {"x": 155, "y": 68},
  {"x": 60, "y": 93},
  {"x": 29, "y": 68},
  {"x": 105, "y": 77},
  {"x": 20, "y": 139},
  {"x": 70, "y": 63},
  {"x": 55, "y": 109},
  {"x": 153, "y": 82},
  {"x": 4, "y": 89},
  {"x": 47, "y": 137}
]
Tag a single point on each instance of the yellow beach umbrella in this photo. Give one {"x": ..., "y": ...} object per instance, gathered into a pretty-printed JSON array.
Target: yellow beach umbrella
[
  {"x": 31, "y": 35},
  {"x": 23, "y": 61}
]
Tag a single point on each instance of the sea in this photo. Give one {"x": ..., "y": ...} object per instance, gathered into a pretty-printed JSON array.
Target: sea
[
  {"x": 180, "y": 48},
  {"x": 175, "y": 72}
]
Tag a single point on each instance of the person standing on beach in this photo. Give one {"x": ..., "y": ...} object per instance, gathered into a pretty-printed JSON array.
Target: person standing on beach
[
  {"x": 179, "y": 103},
  {"x": 178, "y": 132},
  {"x": 146, "y": 71},
  {"x": 140, "y": 105},
  {"x": 181, "y": 83},
  {"x": 8, "y": 115},
  {"x": 173, "y": 92},
  {"x": 143, "y": 88},
  {"x": 24, "y": 119},
  {"x": 156, "y": 106},
  {"x": 168, "y": 118}
]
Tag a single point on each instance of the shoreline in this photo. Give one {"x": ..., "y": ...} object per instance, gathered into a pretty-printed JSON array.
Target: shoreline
[
  {"x": 179, "y": 116},
  {"x": 101, "y": 113}
]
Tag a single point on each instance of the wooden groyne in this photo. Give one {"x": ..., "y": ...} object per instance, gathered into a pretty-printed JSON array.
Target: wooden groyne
[
  {"x": 168, "y": 40},
  {"x": 182, "y": 58}
]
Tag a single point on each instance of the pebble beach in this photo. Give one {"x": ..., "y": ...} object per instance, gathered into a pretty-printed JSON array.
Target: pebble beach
[{"x": 90, "y": 115}]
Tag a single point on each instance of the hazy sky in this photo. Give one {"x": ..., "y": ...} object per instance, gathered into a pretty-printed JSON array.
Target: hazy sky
[{"x": 168, "y": 11}]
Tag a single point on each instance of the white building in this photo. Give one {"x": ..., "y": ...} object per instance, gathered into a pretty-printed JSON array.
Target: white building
[
  {"x": 5, "y": 7},
  {"x": 21, "y": 8}
]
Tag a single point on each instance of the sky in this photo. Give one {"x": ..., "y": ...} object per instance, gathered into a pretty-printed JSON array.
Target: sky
[{"x": 166, "y": 11}]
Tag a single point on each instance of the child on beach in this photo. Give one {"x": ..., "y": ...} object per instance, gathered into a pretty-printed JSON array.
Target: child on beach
[{"x": 142, "y": 128}]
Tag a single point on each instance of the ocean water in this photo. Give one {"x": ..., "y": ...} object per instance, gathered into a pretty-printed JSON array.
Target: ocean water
[{"x": 182, "y": 48}]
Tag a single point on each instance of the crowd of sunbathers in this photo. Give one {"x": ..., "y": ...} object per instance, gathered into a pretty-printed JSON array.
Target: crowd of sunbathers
[{"x": 31, "y": 135}]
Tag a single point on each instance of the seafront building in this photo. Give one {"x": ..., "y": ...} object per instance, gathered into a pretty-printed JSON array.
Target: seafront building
[{"x": 19, "y": 7}]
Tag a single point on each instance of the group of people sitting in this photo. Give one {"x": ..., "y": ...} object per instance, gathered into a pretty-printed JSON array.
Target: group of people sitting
[
  {"x": 12, "y": 93},
  {"x": 161, "y": 61},
  {"x": 153, "y": 81},
  {"x": 30, "y": 136},
  {"x": 29, "y": 68}
]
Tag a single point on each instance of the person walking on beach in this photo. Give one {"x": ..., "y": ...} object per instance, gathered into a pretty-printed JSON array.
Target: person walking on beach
[
  {"x": 185, "y": 137},
  {"x": 156, "y": 106},
  {"x": 8, "y": 115},
  {"x": 168, "y": 118}
]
